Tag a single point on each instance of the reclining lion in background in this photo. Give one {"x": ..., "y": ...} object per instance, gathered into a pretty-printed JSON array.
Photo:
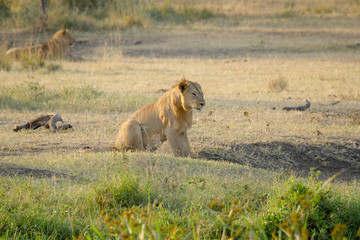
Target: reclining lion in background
[
  {"x": 169, "y": 118},
  {"x": 57, "y": 47}
]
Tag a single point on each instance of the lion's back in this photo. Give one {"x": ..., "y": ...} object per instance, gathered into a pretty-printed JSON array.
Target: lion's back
[
  {"x": 20, "y": 51},
  {"x": 57, "y": 46}
]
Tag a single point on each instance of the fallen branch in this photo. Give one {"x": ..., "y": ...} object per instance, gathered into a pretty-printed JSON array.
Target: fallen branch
[
  {"x": 300, "y": 108},
  {"x": 334, "y": 103},
  {"x": 47, "y": 121}
]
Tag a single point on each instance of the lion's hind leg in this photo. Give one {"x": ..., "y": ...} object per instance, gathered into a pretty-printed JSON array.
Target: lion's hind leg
[{"x": 129, "y": 136}]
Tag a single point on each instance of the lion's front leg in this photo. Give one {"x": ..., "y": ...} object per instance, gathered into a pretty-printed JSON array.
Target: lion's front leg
[
  {"x": 185, "y": 145},
  {"x": 178, "y": 142}
]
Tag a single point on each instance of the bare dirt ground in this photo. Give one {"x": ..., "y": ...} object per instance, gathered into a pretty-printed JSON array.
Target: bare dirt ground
[
  {"x": 295, "y": 154},
  {"x": 229, "y": 44},
  {"x": 329, "y": 159}
]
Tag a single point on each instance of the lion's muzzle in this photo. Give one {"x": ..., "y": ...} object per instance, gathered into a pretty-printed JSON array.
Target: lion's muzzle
[{"x": 201, "y": 107}]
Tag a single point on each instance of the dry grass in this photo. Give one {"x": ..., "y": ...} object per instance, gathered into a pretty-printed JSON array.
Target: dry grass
[
  {"x": 231, "y": 88},
  {"x": 231, "y": 84},
  {"x": 5, "y": 63},
  {"x": 278, "y": 84},
  {"x": 290, "y": 8}
]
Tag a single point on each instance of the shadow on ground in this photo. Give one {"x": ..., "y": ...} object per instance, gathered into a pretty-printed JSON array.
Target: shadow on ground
[
  {"x": 298, "y": 159},
  {"x": 13, "y": 170}
]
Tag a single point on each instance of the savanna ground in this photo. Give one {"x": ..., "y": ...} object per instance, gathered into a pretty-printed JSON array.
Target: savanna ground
[{"x": 251, "y": 61}]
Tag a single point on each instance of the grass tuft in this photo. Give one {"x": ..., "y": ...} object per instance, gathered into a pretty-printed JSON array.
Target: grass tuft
[
  {"x": 5, "y": 62},
  {"x": 120, "y": 194},
  {"x": 4, "y": 10},
  {"x": 132, "y": 20},
  {"x": 310, "y": 210},
  {"x": 32, "y": 61},
  {"x": 278, "y": 85},
  {"x": 167, "y": 13},
  {"x": 53, "y": 67}
]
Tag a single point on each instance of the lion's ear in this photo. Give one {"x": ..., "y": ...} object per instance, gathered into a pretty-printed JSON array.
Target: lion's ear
[
  {"x": 183, "y": 85},
  {"x": 64, "y": 31}
]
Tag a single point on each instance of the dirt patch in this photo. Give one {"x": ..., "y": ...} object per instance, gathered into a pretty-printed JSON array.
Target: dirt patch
[
  {"x": 295, "y": 158},
  {"x": 13, "y": 170},
  {"x": 240, "y": 43}
]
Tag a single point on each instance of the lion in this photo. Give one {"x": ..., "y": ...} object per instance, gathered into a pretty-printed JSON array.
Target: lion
[
  {"x": 57, "y": 47},
  {"x": 169, "y": 118}
]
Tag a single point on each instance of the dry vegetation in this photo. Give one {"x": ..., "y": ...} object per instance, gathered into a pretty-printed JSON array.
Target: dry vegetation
[{"x": 251, "y": 57}]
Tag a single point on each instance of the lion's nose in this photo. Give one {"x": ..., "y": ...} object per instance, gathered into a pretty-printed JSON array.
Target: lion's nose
[{"x": 202, "y": 104}]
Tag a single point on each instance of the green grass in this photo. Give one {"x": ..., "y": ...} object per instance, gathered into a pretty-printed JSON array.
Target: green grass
[
  {"x": 32, "y": 95},
  {"x": 162, "y": 196},
  {"x": 42, "y": 211}
]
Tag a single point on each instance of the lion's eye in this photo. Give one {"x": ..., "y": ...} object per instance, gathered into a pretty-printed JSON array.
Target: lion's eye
[{"x": 194, "y": 94}]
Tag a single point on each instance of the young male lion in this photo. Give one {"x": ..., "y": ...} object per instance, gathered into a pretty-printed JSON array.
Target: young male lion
[
  {"x": 57, "y": 47},
  {"x": 169, "y": 118}
]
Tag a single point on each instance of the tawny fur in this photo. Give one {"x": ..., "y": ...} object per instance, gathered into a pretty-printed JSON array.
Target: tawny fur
[
  {"x": 57, "y": 47},
  {"x": 167, "y": 119}
]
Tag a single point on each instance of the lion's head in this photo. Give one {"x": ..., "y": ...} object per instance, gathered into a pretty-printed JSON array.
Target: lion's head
[
  {"x": 191, "y": 95},
  {"x": 64, "y": 37}
]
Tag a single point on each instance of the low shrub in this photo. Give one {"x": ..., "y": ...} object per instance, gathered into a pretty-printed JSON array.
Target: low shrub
[
  {"x": 278, "y": 84},
  {"x": 311, "y": 210},
  {"x": 4, "y": 10},
  {"x": 122, "y": 193},
  {"x": 167, "y": 13}
]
